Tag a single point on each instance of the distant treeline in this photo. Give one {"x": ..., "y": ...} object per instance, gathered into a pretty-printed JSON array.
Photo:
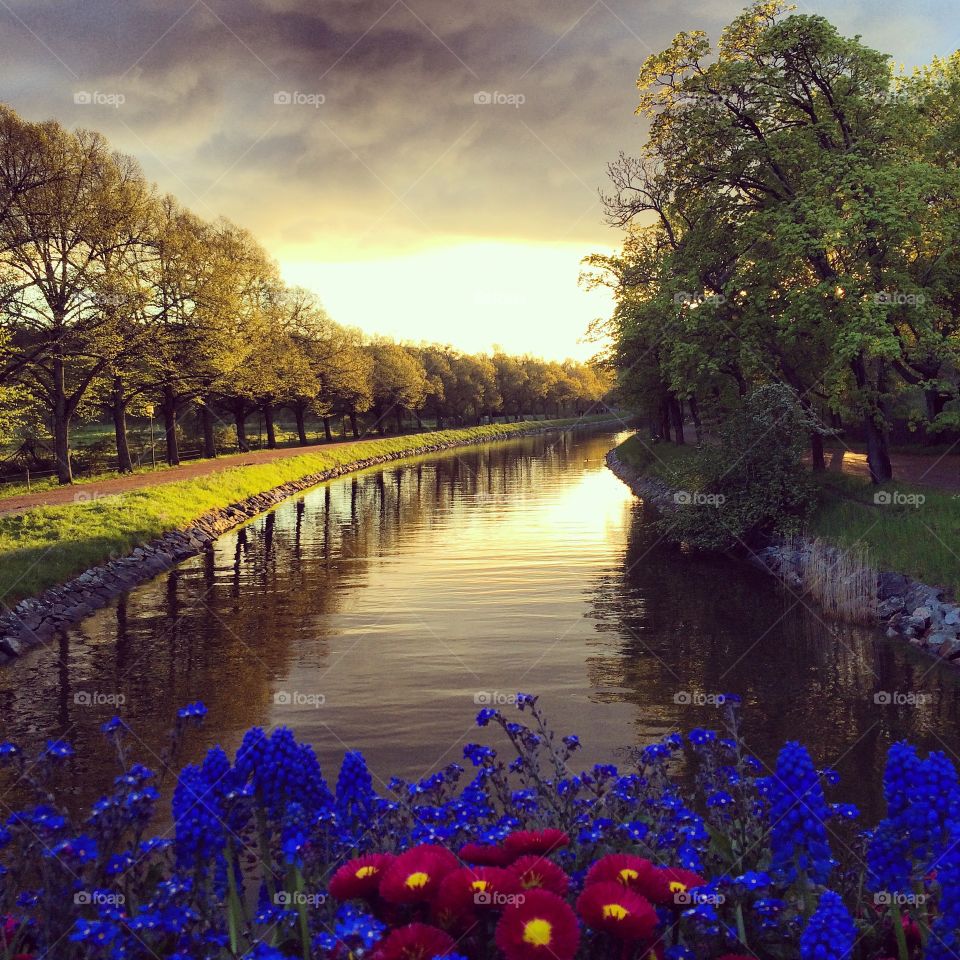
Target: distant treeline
[{"x": 115, "y": 300}]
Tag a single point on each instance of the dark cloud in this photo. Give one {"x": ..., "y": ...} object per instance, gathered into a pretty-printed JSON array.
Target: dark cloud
[{"x": 398, "y": 152}]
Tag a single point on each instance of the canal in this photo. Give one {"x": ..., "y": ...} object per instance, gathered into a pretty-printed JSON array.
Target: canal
[{"x": 379, "y": 611}]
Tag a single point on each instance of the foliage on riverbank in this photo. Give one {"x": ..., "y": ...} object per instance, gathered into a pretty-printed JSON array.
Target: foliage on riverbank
[
  {"x": 519, "y": 859},
  {"x": 48, "y": 545},
  {"x": 898, "y": 527}
]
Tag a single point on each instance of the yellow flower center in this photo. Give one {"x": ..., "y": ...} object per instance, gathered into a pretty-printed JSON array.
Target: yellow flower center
[
  {"x": 480, "y": 885},
  {"x": 417, "y": 880},
  {"x": 537, "y": 933},
  {"x": 677, "y": 887},
  {"x": 530, "y": 881},
  {"x": 615, "y": 911},
  {"x": 365, "y": 872},
  {"x": 626, "y": 875}
]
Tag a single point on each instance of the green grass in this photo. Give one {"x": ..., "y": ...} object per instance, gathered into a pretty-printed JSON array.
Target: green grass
[
  {"x": 659, "y": 460},
  {"x": 919, "y": 538},
  {"x": 49, "y": 545}
]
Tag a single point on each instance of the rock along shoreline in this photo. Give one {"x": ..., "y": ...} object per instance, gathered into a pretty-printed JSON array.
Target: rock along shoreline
[
  {"x": 34, "y": 620},
  {"x": 926, "y": 617}
]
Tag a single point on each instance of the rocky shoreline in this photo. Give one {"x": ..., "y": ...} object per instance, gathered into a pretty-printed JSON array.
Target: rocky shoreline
[
  {"x": 926, "y": 617},
  {"x": 37, "y": 619}
]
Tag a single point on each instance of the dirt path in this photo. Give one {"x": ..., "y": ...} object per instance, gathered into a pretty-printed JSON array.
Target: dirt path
[
  {"x": 61, "y": 496},
  {"x": 941, "y": 470}
]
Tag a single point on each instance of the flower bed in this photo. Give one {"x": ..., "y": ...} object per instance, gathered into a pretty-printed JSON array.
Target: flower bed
[{"x": 519, "y": 859}]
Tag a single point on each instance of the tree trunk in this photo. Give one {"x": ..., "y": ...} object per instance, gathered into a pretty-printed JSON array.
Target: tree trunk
[
  {"x": 300, "y": 413},
  {"x": 353, "y": 425},
  {"x": 61, "y": 426},
  {"x": 271, "y": 429},
  {"x": 438, "y": 413},
  {"x": 665, "y": 420},
  {"x": 240, "y": 420},
  {"x": 169, "y": 408},
  {"x": 398, "y": 414},
  {"x": 878, "y": 451},
  {"x": 206, "y": 426},
  {"x": 118, "y": 411},
  {"x": 676, "y": 416},
  {"x": 327, "y": 432},
  {"x": 695, "y": 416},
  {"x": 878, "y": 446},
  {"x": 816, "y": 452},
  {"x": 416, "y": 414}
]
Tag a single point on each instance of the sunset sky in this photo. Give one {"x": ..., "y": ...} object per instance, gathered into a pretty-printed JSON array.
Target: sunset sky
[{"x": 429, "y": 167}]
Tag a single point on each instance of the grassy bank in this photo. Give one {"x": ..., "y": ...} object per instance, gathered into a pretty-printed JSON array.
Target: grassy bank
[
  {"x": 49, "y": 545},
  {"x": 907, "y": 529}
]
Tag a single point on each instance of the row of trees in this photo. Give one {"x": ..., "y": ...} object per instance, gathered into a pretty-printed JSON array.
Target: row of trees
[
  {"x": 114, "y": 298},
  {"x": 793, "y": 218}
]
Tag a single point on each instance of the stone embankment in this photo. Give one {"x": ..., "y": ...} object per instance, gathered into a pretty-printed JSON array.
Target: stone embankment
[
  {"x": 926, "y": 617},
  {"x": 35, "y": 620}
]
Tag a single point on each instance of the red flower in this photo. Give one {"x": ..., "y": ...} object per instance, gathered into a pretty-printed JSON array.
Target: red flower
[
  {"x": 541, "y": 927},
  {"x": 484, "y": 854},
  {"x": 415, "y": 875},
  {"x": 665, "y": 886},
  {"x": 522, "y": 842},
  {"x": 539, "y": 873},
  {"x": 469, "y": 889},
  {"x": 416, "y": 941},
  {"x": 359, "y": 879},
  {"x": 612, "y": 908},
  {"x": 623, "y": 868}
]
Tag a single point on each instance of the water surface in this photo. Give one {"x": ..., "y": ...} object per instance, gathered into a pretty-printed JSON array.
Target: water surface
[{"x": 377, "y": 611}]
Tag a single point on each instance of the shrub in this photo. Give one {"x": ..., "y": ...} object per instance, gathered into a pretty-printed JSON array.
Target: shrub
[{"x": 752, "y": 482}]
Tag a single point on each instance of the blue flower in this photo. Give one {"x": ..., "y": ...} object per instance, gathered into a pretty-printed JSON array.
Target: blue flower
[
  {"x": 192, "y": 711},
  {"x": 58, "y": 750},
  {"x": 798, "y": 815},
  {"x": 830, "y": 933}
]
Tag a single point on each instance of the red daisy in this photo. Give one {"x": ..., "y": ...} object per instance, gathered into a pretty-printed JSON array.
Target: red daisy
[
  {"x": 541, "y": 927},
  {"x": 414, "y": 876},
  {"x": 416, "y": 941},
  {"x": 541, "y": 842},
  {"x": 487, "y": 855},
  {"x": 623, "y": 868},
  {"x": 359, "y": 879},
  {"x": 663, "y": 885},
  {"x": 540, "y": 873},
  {"x": 465, "y": 891},
  {"x": 612, "y": 908}
]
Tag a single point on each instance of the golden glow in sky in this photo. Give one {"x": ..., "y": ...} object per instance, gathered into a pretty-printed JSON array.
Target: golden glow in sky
[{"x": 472, "y": 295}]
